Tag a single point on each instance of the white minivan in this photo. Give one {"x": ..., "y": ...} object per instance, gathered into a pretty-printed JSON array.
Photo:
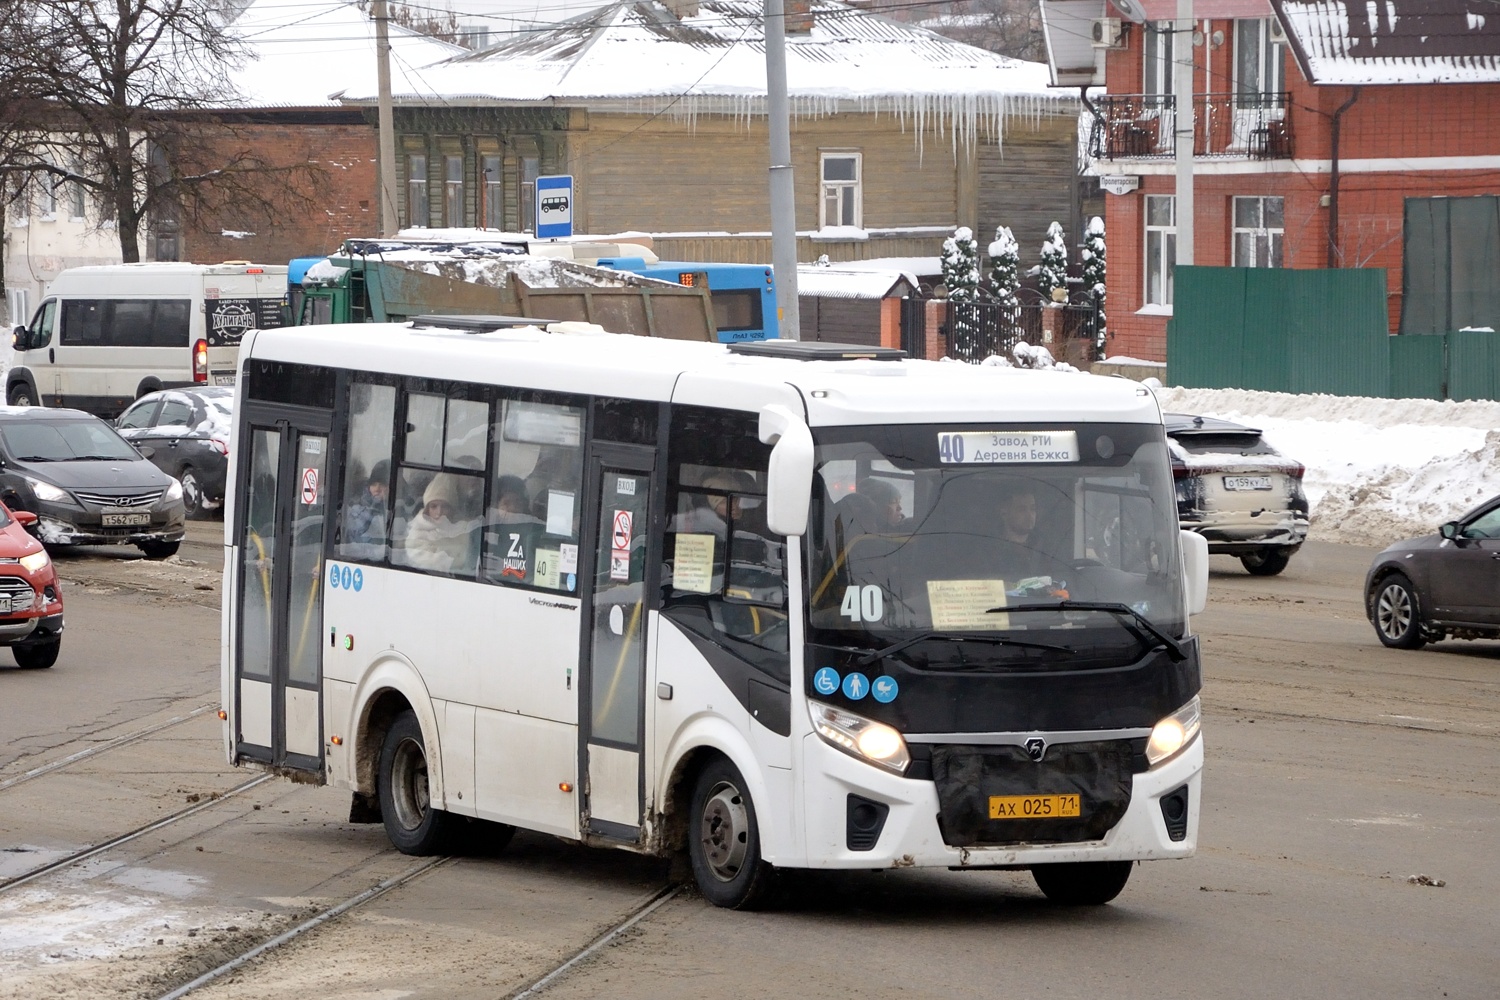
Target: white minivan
[{"x": 105, "y": 336}]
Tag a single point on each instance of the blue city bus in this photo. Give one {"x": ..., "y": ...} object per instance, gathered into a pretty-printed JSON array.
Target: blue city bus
[{"x": 743, "y": 295}]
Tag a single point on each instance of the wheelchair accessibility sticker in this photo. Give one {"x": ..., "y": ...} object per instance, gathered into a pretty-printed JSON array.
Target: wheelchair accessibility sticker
[{"x": 345, "y": 577}]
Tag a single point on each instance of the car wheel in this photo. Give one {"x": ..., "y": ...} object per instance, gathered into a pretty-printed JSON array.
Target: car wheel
[
  {"x": 192, "y": 493},
  {"x": 1265, "y": 562},
  {"x": 159, "y": 550},
  {"x": 20, "y": 395},
  {"x": 411, "y": 821},
  {"x": 1398, "y": 619},
  {"x": 37, "y": 656},
  {"x": 723, "y": 841},
  {"x": 1082, "y": 883}
]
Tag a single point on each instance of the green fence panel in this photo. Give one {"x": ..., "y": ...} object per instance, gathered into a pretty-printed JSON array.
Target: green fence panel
[
  {"x": 1417, "y": 366},
  {"x": 1473, "y": 365},
  {"x": 1280, "y": 330}
]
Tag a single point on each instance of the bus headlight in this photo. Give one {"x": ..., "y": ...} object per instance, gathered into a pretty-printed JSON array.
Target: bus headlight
[
  {"x": 870, "y": 741},
  {"x": 1174, "y": 732}
]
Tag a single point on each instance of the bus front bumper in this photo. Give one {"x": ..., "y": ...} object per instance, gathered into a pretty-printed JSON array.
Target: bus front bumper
[{"x": 910, "y": 836}]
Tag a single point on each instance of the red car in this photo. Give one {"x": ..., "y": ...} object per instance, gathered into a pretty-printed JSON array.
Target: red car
[{"x": 31, "y": 608}]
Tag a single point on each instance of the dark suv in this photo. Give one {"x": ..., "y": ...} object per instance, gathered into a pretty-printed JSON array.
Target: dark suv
[{"x": 86, "y": 484}]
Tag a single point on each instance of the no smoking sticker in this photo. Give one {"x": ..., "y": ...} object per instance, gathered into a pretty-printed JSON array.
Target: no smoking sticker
[
  {"x": 309, "y": 487},
  {"x": 621, "y": 536}
]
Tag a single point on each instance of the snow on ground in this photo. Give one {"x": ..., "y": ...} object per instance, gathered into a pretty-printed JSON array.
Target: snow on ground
[{"x": 1378, "y": 470}]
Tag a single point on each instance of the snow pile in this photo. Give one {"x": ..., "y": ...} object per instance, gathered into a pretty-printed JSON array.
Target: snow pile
[
  {"x": 1029, "y": 356},
  {"x": 1378, "y": 470}
]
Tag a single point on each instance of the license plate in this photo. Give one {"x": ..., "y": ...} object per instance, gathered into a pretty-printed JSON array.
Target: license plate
[
  {"x": 125, "y": 520},
  {"x": 1034, "y": 806},
  {"x": 224, "y": 378},
  {"x": 1247, "y": 482},
  {"x": 5, "y": 605}
]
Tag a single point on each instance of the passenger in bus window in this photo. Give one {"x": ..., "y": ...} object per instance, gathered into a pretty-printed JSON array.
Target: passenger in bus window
[
  {"x": 1021, "y": 555},
  {"x": 365, "y": 517},
  {"x": 557, "y": 468},
  {"x": 511, "y": 505},
  {"x": 885, "y": 503},
  {"x": 438, "y": 537}
]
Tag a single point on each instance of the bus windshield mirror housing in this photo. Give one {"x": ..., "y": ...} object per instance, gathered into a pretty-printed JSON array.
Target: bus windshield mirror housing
[{"x": 789, "y": 479}]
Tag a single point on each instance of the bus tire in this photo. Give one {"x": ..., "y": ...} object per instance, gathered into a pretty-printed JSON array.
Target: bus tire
[
  {"x": 411, "y": 821},
  {"x": 724, "y": 841},
  {"x": 1082, "y": 883}
]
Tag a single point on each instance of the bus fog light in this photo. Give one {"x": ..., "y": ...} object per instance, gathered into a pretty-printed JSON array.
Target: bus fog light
[
  {"x": 1174, "y": 732},
  {"x": 870, "y": 741}
]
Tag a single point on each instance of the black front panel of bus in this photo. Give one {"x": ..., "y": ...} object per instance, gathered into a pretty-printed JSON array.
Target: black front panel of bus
[{"x": 990, "y": 699}]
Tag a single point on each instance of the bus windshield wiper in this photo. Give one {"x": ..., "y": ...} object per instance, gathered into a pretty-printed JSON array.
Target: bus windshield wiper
[
  {"x": 1129, "y": 617},
  {"x": 996, "y": 640}
]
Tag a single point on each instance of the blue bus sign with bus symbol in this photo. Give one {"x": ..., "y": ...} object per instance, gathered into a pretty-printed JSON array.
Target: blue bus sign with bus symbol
[{"x": 554, "y": 206}]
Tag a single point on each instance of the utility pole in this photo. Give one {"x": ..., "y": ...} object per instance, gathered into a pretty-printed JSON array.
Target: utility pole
[
  {"x": 783, "y": 196},
  {"x": 387, "y": 121},
  {"x": 1182, "y": 97}
]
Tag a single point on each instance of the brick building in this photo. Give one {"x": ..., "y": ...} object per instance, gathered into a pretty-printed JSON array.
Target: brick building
[{"x": 1317, "y": 127}]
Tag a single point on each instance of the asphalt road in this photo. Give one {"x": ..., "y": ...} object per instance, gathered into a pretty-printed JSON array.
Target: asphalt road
[{"x": 1337, "y": 770}]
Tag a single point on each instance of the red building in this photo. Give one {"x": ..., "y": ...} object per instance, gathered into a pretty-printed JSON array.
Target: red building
[{"x": 1318, "y": 125}]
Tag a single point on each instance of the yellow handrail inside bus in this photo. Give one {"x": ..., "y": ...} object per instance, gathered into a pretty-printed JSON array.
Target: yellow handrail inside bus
[{"x": 614, "y": 684}]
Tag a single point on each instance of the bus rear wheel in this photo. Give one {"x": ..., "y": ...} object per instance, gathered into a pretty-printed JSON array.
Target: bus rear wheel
[
  {"x": 414, "y": 825},
  {"x": 724, "y": 842},
  {"x": 1082, "y": 883}
]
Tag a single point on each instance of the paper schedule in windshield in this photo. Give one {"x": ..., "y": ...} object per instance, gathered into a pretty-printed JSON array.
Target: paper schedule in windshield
[
  {"x": 1007, "y": 447},
  {"x": 963, "y": 604},
  {"x": 693, "y": 563}
]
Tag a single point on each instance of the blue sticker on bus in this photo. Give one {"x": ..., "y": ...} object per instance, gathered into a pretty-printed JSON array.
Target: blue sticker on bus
[
  {"x": 884, "y": 689},
  {"x": 359, "y": 579},
  {"x": 856, "y": 686},
  {"x": 333, "y": 577},
  {"x": 346, "y": 578},
  {"x": 572, "y": 582},
  {"x": 826, "y": 681}
]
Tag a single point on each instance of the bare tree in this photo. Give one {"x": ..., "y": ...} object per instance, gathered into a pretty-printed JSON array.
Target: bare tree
[
  {"x": 1009, "y": 27},
  {"x": 132, "y": 96}
]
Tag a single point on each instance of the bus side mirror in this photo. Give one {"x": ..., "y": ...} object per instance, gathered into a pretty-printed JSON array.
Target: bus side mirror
[
  {"x": 1195, "y": 570},
  {"x": 789, "y": 479}
]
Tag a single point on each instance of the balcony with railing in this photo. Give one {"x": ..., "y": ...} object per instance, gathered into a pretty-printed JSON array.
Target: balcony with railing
[{"x": 1225, "y": 126}]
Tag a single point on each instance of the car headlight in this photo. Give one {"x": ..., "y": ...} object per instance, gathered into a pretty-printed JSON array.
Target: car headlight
[
  {"x": 46, "y": 491},
  {"x": 35, "y": 561},
  {"x": 174, "y": 492},
  {"x": 870, "y": 741},
  {"x": 1174, "y": 732}
]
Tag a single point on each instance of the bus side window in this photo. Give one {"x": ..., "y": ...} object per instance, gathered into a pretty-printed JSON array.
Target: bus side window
[
  {"x": 530, "y": 532},
  {"x": 364, "y": 517},
  {"x": 440, "y": 482},
  {"x": 43, "y": 325}
]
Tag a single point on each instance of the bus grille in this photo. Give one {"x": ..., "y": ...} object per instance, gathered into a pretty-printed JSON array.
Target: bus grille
[
  {"x": 125, "y": 500},
  {"x": 22, "y": 597}
]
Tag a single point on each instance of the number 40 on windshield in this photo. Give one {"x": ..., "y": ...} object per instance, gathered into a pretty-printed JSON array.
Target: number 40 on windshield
[{"x": 863, "y": 604}]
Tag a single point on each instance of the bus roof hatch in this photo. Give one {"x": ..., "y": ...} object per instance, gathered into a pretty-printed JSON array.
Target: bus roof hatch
[{"x": 804, "y": 350}]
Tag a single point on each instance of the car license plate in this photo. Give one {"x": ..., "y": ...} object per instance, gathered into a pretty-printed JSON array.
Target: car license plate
[
  {"x": 1034, "y": 806},
  {"x": 125, "y": 520},
  {"x": 5, "y": 605},
  {"x": 1247, "y": 482},
  {"x": 223, "y": 378}
]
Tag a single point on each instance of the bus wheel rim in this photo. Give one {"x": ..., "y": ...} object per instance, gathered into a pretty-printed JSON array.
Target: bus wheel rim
[
  {"x": 409, "y": 781},
  {"x": 725, "y": 831}
]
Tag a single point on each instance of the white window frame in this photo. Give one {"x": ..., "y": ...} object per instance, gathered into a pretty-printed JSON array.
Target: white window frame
[
  {"x": 1158, "y": 286},
  {"x": 1267, "y": 75},
  {"x": 77, "y": 195},
  {"x": 453, "y": 190},
  {"x": 492, "y": 170},
  {"x": 1156, "y": 58},
  {"x": 836, "y": 189},
  {"x": 1274, "y": 236},
  {"x": 416, "y": 191},
  {"x": 48, "y": 206}
]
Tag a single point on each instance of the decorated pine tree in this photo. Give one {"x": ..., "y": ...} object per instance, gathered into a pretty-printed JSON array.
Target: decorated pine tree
[
  {"x": 1054, "y": 270},
  {"x": 961, "y": 276},
  {"x": 1093, "y": 279},
  {"x": 1005, "y": 279}
]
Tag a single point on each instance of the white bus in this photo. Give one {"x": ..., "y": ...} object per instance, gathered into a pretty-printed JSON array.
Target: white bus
[
  {"x": 771, "y": 604},
  {"x": 104, "y": 336}
]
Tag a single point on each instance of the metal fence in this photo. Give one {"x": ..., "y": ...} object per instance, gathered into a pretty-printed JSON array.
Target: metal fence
[
  {"x": 974, "y": 331},
  {"x": 1142, "y": 126}
]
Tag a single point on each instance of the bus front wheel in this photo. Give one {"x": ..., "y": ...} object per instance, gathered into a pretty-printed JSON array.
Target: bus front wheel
[
  {"x": 1082, "y": 883},
  {"x": 723, "y": 841},
  {"x": 414, "y": 825}
]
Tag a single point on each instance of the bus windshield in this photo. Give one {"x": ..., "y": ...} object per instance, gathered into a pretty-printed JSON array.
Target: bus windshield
[{"x": 922, "y": 531}]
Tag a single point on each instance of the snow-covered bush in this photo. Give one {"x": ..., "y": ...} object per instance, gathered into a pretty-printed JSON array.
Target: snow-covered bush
[
  {"x": 1054, "y": 268},
  {"x": 1027, "y": 356},
  {"x": 961, "y": 276},
  {"x": 1005, "y": 279},
  {"x": 1093, "y": 279}
]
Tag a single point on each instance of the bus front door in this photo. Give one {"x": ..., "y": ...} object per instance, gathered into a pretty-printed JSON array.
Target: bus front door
[
  {"x": 278, "y": 655},
  {"x": 612, "y": 654}
]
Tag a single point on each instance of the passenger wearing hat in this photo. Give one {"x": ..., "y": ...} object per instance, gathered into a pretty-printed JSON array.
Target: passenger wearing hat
[
  {"x": 365, "y": 516},
  {"x": 438, "y": 537}
]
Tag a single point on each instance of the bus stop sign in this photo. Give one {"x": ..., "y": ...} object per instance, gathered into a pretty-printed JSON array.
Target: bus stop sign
[{"x": 554, "y": 206}]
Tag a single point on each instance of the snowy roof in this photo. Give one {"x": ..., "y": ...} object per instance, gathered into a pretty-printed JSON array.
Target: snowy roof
[
  {"x": 306, "y": 54},
  {"x": 841, "y": 282},
  {"x": 1393, "y": 41},
  {"x": 643, "y": 57}
]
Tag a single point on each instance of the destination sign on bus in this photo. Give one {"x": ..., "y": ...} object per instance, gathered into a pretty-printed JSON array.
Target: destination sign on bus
[{"x": 1007, "y": 447}]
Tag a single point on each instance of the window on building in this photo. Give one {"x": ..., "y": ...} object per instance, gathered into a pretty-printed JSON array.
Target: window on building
[
  {"x": 843, "y": 197},
  {"x": 48, "y": 200},
  {"x": 1158, "y": 58},
  {"x": 1259, "y": 225},
  {"x": 1161, "y": 248},
  {"x": 418, "y": 212},
  {"x": 1259, "y": 61},
  {"x": 494, "y": 204},
  {"x": 77, "y": 194},
  {"x": 20, "y": 200},
  {"x": 531, "y": 168},
  {"x": 453, "y": 191}
]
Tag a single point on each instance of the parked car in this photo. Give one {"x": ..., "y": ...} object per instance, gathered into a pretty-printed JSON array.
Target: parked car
[
  {"x": 1238, "y": 492},
  {"x": 187, "y": 431},
  {"x": 31, "y": 605},
  {"x": 86, "y": 484},
  {"x": 1438, "y": 586}
]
